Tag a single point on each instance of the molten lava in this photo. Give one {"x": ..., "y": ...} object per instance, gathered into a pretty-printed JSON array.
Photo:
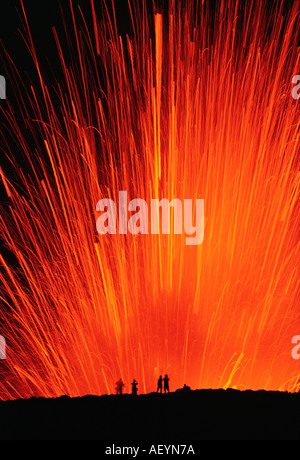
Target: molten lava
[{"x": 192, "y": 104}]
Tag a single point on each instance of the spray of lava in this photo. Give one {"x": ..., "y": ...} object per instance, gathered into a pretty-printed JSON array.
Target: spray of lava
[{"x": 193, "y": 103}]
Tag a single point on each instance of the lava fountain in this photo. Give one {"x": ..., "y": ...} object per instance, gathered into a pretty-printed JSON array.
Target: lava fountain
[{"x": 194, "y": 102}]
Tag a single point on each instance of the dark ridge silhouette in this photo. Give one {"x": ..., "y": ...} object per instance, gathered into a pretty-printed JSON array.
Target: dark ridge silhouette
[{"x": 183, "y": 415}]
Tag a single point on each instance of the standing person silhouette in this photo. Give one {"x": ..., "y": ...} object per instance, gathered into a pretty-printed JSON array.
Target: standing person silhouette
[
  {"x": 159, "y": 384},
  {"x": 134, "y": 387},
  {"x": 166, "y": 384},
  {"x": 119, "y": 387}
]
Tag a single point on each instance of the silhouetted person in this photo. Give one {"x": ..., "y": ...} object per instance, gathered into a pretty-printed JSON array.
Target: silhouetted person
[
  {"x": 186, "y": 388},
  {"x": 119, "y": 387},
  {"x": 134, "y": 387},
  {"x": 166, "y": 384},
  {"x": 159, "y": 384}
]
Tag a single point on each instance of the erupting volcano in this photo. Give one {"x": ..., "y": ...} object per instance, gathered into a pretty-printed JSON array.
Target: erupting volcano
[{"x": 193, "y": 103}]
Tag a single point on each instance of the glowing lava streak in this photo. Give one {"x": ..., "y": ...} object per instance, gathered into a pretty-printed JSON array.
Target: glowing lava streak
[{"x": 191, "y": 105}]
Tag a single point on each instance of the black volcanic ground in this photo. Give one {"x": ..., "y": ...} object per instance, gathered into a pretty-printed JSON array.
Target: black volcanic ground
[{"x": 182, "y": 416}]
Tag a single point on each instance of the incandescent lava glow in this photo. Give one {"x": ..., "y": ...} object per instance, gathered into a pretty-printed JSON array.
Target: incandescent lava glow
[{"x": 195, "y": 103}]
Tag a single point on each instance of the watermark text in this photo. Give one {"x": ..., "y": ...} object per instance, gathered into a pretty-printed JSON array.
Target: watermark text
[
  {"x": 296, "y": 349},
  {"x": 2, "y": 87},
  {"x": 2, "y": 347},
  {"x": 296, "y": 89},
  {"x": 162, "y": 216}
]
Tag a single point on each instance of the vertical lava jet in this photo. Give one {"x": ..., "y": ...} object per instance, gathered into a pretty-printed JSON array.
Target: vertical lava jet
[{"x": 194, "y": 103}]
